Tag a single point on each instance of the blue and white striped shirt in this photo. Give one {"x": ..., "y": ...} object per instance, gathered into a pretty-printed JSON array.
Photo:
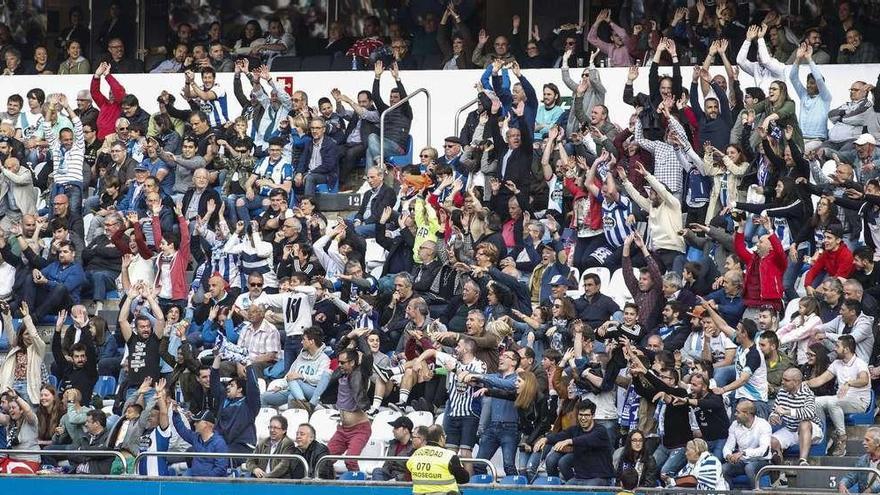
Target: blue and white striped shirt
[
  {"x": 68, "y": 163},
  {"x": 215, "y": 109},
  {"x": 614, "y": 215}
]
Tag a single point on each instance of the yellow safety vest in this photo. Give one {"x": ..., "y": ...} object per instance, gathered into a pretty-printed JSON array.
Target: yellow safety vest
[{"x": 429, "y": 467}]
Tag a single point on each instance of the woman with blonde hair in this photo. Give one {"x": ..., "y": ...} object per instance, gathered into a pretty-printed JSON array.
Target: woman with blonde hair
[
  {"x": 428, "y": 158},
  {"x": 702, "y": 471},
  {"x": 801, "y": 329}
]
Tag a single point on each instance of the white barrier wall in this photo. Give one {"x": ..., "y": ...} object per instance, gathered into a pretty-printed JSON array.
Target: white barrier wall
[{"x": 449, "y": 89}]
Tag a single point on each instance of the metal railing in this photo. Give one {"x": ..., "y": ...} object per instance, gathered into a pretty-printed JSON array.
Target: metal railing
[
  {"x": 335, "y": 458},
  {"x": 396, "y": 105},
  {"x": 224, "y": 455},
  {"x": 13, "y": 453},
  {"x": 840, "y": 469},
  {"x": 458, "y": 113}
]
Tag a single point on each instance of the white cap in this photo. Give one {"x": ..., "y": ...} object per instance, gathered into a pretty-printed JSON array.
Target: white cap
[{"x": 866, "y": 139}]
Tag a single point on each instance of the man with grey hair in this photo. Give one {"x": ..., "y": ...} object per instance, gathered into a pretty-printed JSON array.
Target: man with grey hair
[
  {"x": 728, "y": 300},
  {"x": 373, "y": 203},
  {"x": 86, "y": 112},
  {"x": 475, "y": 328},
  {"x": 830, "y": 296},
  {"x": 853, "y": 289},
  {"x": 863, "y": 481},
  {"x": 393, "y": 318},
  {"x": 425, "y": 272},
  {"x": 102, "y": 259},
  {"x": 795, "y": 410},
  {"x": 672, "y": 290}
]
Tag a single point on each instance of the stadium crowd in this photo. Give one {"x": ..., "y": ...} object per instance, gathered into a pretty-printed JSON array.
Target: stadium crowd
[{"x": 675, "y": 299}]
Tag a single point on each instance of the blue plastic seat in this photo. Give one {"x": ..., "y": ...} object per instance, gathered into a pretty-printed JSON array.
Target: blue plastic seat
[
  {"x": 353, "y": 476},
  {"x": 865, "y": 418},
  {"x": 742, "y": 482},
  {"x": 515, "y": 479},
  {"x": 105, "y": 386},
  {"x": 325, "y": 188},
  {"x": 481, "y": 479},
  {"x": 402, "y": 160},
  {"x": 53, "y": 380}
]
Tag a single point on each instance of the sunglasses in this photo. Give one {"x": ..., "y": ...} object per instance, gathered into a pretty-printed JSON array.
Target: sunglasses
[{"x": 122, "y": 128}]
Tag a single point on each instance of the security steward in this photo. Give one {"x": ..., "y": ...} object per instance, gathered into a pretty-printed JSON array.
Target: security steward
[{"x": 436, "y": 470}]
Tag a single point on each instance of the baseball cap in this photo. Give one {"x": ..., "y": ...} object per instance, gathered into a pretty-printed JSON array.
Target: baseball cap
[
  {"x": 402, "y": 421},
  {"x": 453, "y": 139},
  {"x": 205, "y": 415},
  {"x": 835, "y": 229},
  {"x": 866, "y": 139},
  {"x": 697, "y": 312},
  {"x": 141, "y": 167},
  {"x": 560, "y": 280}
]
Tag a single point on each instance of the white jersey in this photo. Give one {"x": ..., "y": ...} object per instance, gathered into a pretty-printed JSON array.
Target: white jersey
[{"x": 296, "y": 307}]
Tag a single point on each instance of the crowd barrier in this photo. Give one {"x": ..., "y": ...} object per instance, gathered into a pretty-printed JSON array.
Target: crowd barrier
[
  {"x": 327, "y": 458},
  {"x": 64, "y": 454},
  {"x": 221, "y": 455}
]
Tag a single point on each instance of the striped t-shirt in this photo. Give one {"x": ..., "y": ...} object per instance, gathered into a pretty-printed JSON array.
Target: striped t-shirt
[
  {"x": 461, "y": 395},
  {"x": 751, "y": 360},
  {"x": 68, "y": 163},
  {"x": 614, "y": 215},
  {"x": 215, "y": 109}
]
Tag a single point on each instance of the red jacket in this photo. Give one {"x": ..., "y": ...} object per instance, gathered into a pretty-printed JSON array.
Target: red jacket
[
  {"x": 179, "y": 286},
  {"x": 594, "y": 221},
  {"x": 770, "y": 268},
  {"x": 109, "y": 112},
  {"x": 834, "y": 263}
]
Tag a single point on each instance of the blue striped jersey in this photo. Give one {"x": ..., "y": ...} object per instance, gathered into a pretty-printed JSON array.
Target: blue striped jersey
[
  {"x": 614, "y": 215},
  {"x": 216, "y": 109}
]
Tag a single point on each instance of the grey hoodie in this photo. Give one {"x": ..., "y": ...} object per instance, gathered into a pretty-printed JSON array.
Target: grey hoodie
[{"x": 311, "y": 366}]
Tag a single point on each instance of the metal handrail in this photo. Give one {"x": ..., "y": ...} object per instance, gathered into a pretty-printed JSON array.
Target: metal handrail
[
  {"x": 458, "y": 115},
  {"x": 392, "y": 107},
  {"x": 68, "y": 453},
  {"x": 224, "y": 455},
  {"x": 335, "y": 458},
  {"x": 774, "y": 467}
]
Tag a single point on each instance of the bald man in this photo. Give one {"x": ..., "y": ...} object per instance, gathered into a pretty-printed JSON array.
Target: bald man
[{"x": 796, "y": 411}]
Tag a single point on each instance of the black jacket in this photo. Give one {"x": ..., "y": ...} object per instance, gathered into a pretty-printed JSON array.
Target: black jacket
[
  {"x": 384, "y": 197},
  {"x": 82, "y": 379},
  {"x": 313, "y": 453},
  {"x": 209, "y": 193}
]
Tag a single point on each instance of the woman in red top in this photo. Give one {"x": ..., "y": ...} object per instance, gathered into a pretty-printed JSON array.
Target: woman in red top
[
  {"x": 172, "y": 261},
  {"x": 834, "y": 260}
]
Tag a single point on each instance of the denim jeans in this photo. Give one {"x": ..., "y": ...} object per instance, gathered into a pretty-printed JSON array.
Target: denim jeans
[
  {"x": 670, "y": 460},
  {"x": 716, "y": 447},
  {"x": 558, "y": 463},
  {"x": 792, "y": 272},
  {"x": 98, "y": 283},
  {"x": 74, "y": 193},
  {"x": 498, "y": 434},
  {"x": 312, "y": 181},
  {"x": 748, "y": 467},
  {"x": 293, "y": 344},
  {"x": 297, "y": 390},
  {"x": 724, "y": 375},
  {"x": 234, "y": 213},
  {"x": 391, "y": 149}
]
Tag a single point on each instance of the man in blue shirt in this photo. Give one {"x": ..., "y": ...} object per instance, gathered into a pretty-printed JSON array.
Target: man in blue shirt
[
  {"x": 203, "y": 439},
  {"x": 501, "y": 429},
  {"x": 728, "y": 299},
  {"x": 56, "y": 285}
]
